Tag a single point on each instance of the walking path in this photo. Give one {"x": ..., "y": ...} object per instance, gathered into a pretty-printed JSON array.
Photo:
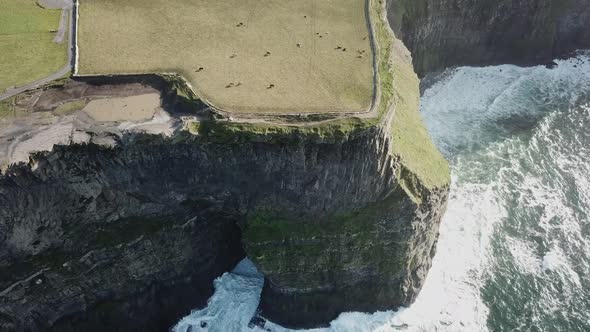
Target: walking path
[
  {"x": 63, "y": 27},
  {"x": 67, "y": 6}
]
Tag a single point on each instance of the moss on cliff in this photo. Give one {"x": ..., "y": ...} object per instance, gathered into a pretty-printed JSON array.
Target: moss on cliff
[
  {"x": 411, "y": 140},
  {"x": 228, "y": 132},
  {"x": 322, "y": 240}
]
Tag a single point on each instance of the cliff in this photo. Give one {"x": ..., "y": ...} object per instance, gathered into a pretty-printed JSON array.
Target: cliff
[
  {"x": 443, "y": 33},
  {"x": 123, "y": 223},
  {"x": 149, "y": 223}
]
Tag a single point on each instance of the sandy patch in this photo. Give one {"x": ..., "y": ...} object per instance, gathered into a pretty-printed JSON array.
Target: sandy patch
[
  {"x": 43, "y": 140},
  {"x": 134, "y": 108}
]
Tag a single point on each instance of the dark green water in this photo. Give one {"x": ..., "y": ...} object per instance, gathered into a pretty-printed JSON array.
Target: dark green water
[{"x": 519, "y": 145}]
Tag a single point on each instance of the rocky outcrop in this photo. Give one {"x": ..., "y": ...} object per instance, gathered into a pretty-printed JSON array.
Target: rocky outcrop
[
  {"x": 443, "y": 33},
  {"x": 362, "y": 244}
]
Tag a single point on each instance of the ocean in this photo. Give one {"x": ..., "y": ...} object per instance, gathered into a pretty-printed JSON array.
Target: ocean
[{"x": 514, "y": 248}]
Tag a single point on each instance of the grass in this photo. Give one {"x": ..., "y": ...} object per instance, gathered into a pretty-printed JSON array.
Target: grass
[
  {"x": 180, "y": 36},
  {"x": 8, "y": 110},
  {"x": 421, "y": 161},
  {"x": 70, "y": 107},
  {"x": 5, "y": 109},
  {"x": 28, "y": 52}
]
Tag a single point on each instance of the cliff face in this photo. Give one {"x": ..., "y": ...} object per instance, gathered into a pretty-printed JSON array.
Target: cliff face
[
  {"x": 443, "y": 33},
  {"x": 96, "y": 238},
  {"x": 131, "y": 237},
  {"x": 119, "y": 230},
  {"x": 349, "y": 237}
]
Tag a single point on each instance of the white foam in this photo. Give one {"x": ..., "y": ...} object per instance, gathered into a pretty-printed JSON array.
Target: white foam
[
  {"x": 524, "y": 256},
  {"x": 461, "y": 110},
  {"x": 552, "y": 260},
  {"x": 233, "y": 304}
]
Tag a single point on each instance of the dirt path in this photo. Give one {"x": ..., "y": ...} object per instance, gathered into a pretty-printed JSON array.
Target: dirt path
[
  {"x": 68, "y": 7},
  {"x": 63, "y": 27}
]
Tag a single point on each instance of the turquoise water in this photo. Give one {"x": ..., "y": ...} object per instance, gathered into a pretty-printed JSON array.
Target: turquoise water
[{"x": 514, "y": 248}]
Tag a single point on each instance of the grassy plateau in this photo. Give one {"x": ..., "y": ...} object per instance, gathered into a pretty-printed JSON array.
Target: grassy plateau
[
  {"x": 27, "y": 50},
  {"x": 249, "y": 56}
]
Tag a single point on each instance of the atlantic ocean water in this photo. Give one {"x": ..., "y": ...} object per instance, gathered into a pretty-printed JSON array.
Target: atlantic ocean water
[{"x": 514, "y": 248}]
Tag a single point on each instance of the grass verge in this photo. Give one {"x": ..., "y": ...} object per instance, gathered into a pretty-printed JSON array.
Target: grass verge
[{"x": 28, "y": 52}]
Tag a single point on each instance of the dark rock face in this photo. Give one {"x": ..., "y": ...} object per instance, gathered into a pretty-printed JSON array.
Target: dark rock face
[
  {"x": 96, "y": 239},
  {"x": 443, "y": 33},
  {"x": 355, "y": 240},
  {"x": 131, "y": 238},
  {"x": 380, "y": 266}
]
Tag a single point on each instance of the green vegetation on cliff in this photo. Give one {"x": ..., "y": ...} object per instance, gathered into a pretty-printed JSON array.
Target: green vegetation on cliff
[
  {"x": 319, "y": 240},
  {"x": 400, "y": 85}
]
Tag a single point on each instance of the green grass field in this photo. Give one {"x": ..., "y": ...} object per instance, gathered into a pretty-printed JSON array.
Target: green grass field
[
  {"x": 27, "y": 50},
  {"x": 229, "y": 40}
]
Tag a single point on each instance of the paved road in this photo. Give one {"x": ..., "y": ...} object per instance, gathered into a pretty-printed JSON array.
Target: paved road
[{"x": 68, "y": 7}]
